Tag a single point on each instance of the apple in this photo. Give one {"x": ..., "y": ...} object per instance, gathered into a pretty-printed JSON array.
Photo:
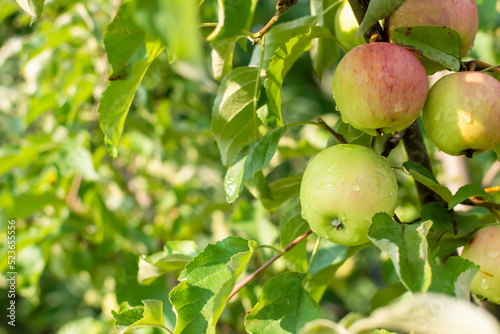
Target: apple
[
  {"x": 459, "y": 15},
  {"x": 462, "y": 113},
  {"x": 484, "y": 250},
  {"x": 343, "y": 187},
  {"x": 379, "y": 87},
  {"x": 345, "y": 25}
]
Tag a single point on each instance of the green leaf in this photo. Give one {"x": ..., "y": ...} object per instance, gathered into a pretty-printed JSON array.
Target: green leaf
[
  {"x": 207, "y": 282},
  {"x": 257, "y": 158},
  {"x": 234, "y": 120},
  {"x": 280, "y": 191},
  {"x": 75, "y": 158},
  {"x": 278, "y": 36},
  {"x": 323, "y": 326},
  {"x": 129, "y": 66},
  {"x": 422, "y": 175},
  {"x": 281, "y": 63},
  {"x": 430, "y": 313},
  {"x": 233, "y": 17},
  {"x": 284, "y": 306},
  {"x": 324, "y": 51},
  {"x": 151, "y": 314},
  {"x": 406, "y": 245},
  {"x": 439, "y": 44},
  {"x": 175, "y": 256},
  {"x": 292, "y": 226},
  {"x": 454, "y": 277},
  {"x": 325, "y": 264},
  {"x": 21, "y": 157},
  {"x": 469, "y": 190},
  {"x": 351, "y": 134},
  {"x": 122, "y": 39},
  {"x": 175, "y": 22},
  {"x": 377, "y": 10},
  {"x": 32, "y": 7},
  {"x": 222, "y": 56}
]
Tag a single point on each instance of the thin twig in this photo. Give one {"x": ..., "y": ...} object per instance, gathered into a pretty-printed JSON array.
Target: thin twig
[
  {"x": 325, "y": 126},
  {"x": 267, "y": 264},
  {"x": 393, "y": 142},
  {"x": 478, "y": 65},
  {"x": 281, "y": 8}
]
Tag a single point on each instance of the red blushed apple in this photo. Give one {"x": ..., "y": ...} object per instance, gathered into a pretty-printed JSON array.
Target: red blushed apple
[
  {"x": 379, "y": 87},
  {"x": 459, "y": 15},
  {"x": 462, "y": 113},
  {"x": 484, "y": 250}
]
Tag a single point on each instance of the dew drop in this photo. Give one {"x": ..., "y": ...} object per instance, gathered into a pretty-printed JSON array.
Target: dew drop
[
  {"x": 485, "y": 284},
  {"x": 326, "y": 185},
  {"x": 329, "y": 170},
  {"x": 341, "y": 216},
  {"x": 466, "y": 117},
  {"x": 398, "y": 108},
  {"x": 437, "y": 117},
  {"x": 356, "y": 187},
  {"x": 493, "y": 253}
]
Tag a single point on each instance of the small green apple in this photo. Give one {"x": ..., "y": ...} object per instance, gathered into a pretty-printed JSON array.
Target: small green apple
[
  {"x": 459, "y": 15},
  {"x": 462, "y": 113},
  {"x": 345, "y": 25},
  {"x": 379, "y": 87},
  {"x": 484, "y": 250},
  {"x": 343, "y": 187}
]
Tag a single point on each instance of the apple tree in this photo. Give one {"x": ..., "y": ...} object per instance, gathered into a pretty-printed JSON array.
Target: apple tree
[{"x": 310, "y": 150}]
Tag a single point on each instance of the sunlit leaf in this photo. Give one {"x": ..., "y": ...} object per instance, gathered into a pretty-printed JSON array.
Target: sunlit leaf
[
  {"x": 281, "y": 63},
  {"x": 175, "y": 256},
  {"x": 454, "y": 277},
  {"x": 33, "y": 7},
  {"x": 406, "y": 245},
  {"x": 207, "y": 282},
  {"x": 151, "y": 314},
  {"x": 278, "y": 36},
  {"x": 257, "y": 158},
  {"x": 430, "y": 313},
  {"x": 117, "y": 98},
  {"x": 284, "y": 306},
  {"x": 234, "y": 119}
]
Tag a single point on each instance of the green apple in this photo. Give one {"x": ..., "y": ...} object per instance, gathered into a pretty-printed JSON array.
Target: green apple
[
  {"x": 379, "y": 87},
  {"x": 345, "y": 27},
  {"x": 484, "y": 250},
  {"x": 459, "y": 15},
  {"x": 343, "y": 187},
  {"x": 462, "y": 113}
]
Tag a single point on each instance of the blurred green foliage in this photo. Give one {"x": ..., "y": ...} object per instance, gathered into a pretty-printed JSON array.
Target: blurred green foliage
[{"x": 84, "y": 219}]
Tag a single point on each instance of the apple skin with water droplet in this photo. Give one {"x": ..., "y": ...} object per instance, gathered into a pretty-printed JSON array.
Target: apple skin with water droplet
[
  {"x": 379, "y": 87},
  {"x": 462, "y": 113},
  {"x": 343, "y": 187},
  {"x": 484, "y": 250},
  {"x": 459, "y": 15}
]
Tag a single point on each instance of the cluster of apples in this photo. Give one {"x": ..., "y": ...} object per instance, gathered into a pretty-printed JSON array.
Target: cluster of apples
[{"x": 382, "y": 88}]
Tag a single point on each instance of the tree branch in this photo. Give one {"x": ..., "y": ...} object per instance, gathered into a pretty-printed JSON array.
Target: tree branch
[
  {"x": 268, "y": 263},
  {"x": 281, "y": 8},
  {"x": 325, "y": 126},
  {"x": 375, "y": 33},
  {"x": 413, "y": 142}
]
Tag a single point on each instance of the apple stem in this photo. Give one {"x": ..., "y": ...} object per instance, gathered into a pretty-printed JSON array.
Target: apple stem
[
  {"x": 359, "y": 8},
  {"x": 325, "y": 126},
  {"x": 393, "y": 142}
]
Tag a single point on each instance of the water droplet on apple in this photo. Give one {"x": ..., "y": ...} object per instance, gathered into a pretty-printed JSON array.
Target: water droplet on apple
[
  {"x": 493, "y": 253},
  {"x": 329, "y": 170},
  {"x": 466, "y": 117},
  {"x": 437, "y": 117},
  {"x": 485, "y": 284},
  {"x": 398, "y": 107},
  {"x": 341, "y": 216},
  {"x": 326, "y": 185},
  {"x": 355, "y": 187}
]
